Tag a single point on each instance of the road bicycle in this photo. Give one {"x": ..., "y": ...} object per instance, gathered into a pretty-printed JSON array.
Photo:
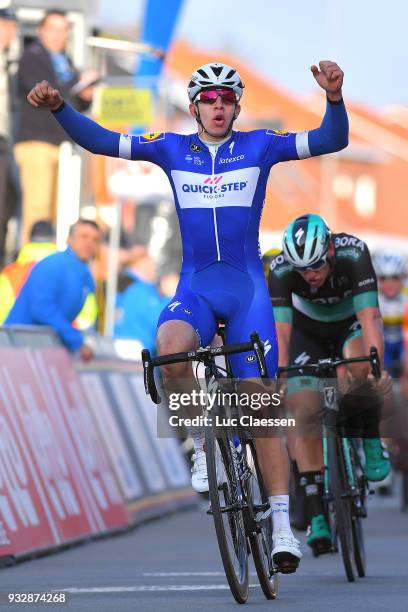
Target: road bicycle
[
  {"x": 345, "y": 484},
  {"x": 238, "y": 499}
]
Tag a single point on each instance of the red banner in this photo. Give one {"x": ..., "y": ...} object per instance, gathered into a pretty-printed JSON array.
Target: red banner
[
  {"x": 67, "y": 402},
  {"x": 56, "y": 485},
  {"x": 26, "y": 519}
]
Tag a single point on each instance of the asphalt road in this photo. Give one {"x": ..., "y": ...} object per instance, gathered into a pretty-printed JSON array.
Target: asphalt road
[{"x": 173, "y": 564}]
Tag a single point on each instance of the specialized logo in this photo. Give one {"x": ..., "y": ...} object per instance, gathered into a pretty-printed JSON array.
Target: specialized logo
[
  {"x": 355, "y": 326},
  {"x": 173, "y": 306},
  {"x": 231, "y": 146},
  {"x": 299, "y": 235},
  {"x": 151, "y": 136},
  {"x": 188, "y": 312},
  {"x": 330, "y": 398},
  {"x": 277, "y": 133},
  {"x": 267, "y": 347},
  {"x": 195, "y": 148},
  {"x": 302, "y": 359}
]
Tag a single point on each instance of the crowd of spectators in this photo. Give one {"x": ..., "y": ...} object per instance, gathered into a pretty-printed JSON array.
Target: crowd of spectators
[{"x": 38, "y": 284}]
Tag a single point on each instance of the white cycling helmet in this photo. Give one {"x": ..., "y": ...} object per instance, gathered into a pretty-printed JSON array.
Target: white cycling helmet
[
  {"x": 389, "y": 263},
  {"x": 215, "y": 74}
]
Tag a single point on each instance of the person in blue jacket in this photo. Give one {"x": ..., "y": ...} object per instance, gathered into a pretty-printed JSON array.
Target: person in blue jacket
[
  {"x": 139, "y": 302},
  {"x": 218, "y": 176},
  {"x": 57, "y": 287}
]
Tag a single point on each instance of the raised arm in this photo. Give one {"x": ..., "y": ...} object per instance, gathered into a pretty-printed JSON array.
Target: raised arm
[
  {"x": 89, "y": 134},
  {"x": 85, "y": 132},
  {"x": 332, "y": 135}
]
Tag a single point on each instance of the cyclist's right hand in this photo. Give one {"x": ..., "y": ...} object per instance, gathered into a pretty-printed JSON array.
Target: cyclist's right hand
[
  {"x": 383, "y": 385},
  {"x": 44, "y": 95}
]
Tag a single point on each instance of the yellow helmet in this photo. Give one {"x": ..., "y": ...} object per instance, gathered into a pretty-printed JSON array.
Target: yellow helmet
[{"x": 267, "y": 258}]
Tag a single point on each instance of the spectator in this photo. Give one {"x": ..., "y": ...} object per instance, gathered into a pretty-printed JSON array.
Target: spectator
[
  {"x": 39, "y": 135},
  {"x": 8, "y": 187},
  {"x": 14, "y": 275},
  {"x": 57, "y": 287},
  {"x": 139, "y": 304}
]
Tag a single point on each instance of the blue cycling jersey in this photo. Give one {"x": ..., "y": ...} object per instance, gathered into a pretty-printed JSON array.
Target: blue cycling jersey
[{"x": 219, "y": 193}]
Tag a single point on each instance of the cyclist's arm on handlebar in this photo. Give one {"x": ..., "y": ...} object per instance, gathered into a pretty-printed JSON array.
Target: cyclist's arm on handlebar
[
  {"x": 284, "y": 332},
  {"x": 371, "y": 324}
]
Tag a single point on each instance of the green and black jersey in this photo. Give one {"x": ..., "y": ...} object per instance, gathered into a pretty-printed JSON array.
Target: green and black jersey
[{"x": 350, "y": 287}]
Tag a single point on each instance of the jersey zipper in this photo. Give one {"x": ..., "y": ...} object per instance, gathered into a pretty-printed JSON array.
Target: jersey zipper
[{"x": 213, "y": 156}]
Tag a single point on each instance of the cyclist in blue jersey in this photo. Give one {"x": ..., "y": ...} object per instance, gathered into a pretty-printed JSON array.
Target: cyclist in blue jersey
[{"x": 218, "y": 177}]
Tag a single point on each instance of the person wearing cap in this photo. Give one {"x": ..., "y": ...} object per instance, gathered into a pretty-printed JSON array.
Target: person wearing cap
[
  {"x": 9, "y": 188},
  {"x": 218, "y": 176}
]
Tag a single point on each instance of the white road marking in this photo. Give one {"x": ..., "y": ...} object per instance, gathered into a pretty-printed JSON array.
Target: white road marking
[
  {"x": 153, "y": 588},
  {"x": 177, "y": 574}
]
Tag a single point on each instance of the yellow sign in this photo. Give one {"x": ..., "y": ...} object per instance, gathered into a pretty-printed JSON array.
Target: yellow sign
[{"x": 125, "y": 106}]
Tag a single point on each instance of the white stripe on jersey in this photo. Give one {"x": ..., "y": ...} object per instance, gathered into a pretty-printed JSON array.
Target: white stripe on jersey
[
  {"x": 302, "y": 145},
  {"x": 125, "y": 146}
]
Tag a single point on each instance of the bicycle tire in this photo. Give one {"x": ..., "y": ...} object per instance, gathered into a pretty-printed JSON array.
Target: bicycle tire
[
  {"x": 261, "y": 541},
  {"x": 342, "y": 505},
  {"x": 356, "y": 524},
  {"x": 358, "y": 546},
  {"x": 220, "y": 496}
]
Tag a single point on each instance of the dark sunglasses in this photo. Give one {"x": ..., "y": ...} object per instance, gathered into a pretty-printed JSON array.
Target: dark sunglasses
[
  {"x": 210, "y": 96},
  {"x": 316, "y": 266}
]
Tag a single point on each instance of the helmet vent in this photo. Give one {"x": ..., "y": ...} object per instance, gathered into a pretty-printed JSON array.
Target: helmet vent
[
  {"x": 230, "y": 74},
  {"x": 203, "y": 73},
  {"x": 217, "y": 70}
]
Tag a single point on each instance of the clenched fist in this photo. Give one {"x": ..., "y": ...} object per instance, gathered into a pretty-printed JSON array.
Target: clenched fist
[
  {"x": 330, "y": 78},
  {"x": 43, "y": 95}
]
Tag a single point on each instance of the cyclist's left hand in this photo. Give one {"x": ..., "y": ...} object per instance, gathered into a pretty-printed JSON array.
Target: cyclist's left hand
[{"x": 330, "y": 78}]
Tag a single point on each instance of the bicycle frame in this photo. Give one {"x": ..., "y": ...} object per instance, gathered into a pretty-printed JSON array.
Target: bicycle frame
[{"x": 339, "y": 457}]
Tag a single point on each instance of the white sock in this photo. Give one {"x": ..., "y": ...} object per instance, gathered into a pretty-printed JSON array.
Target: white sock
[
  {"x": 280, "y": 512},
  {"x": 198, "y": 440}
]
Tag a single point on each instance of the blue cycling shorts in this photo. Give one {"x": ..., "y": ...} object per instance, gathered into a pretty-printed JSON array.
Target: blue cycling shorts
[{"x": 221, "y": 291}]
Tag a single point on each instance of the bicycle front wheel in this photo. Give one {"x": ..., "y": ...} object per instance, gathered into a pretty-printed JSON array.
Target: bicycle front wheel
[
  {"x": 358, "y": 508},
  {"x": 342, "y": 503},
  {"x": 261, "y": 537},
  {"x": 227, "y": 510}
]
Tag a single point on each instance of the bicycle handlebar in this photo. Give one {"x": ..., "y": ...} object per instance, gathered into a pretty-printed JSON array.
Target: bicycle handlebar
[
  {"x": 202, "y": 355},
  {"x": 327, "y": 365}
]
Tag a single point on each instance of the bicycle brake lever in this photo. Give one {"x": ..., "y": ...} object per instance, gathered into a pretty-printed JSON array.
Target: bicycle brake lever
[
  {"x": 375, "y": 362},
  {"x": 148, "y": 377},
  {"x": 259, "y": 354}
]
